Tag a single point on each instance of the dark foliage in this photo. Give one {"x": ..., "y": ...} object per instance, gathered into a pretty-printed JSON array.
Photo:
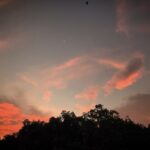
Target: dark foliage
[{"x": 98, "y": 129}]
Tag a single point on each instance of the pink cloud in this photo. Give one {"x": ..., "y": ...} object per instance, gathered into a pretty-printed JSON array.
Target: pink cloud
[
  {"x": 56, "y": 82},
  {"x": 28, "y": 80},
  {"x": 79, "y": 71},
  {"x": 111, "y": 63},
  {"x": 62, "y": 75},
  {"x": 58, "y": 77},
  {"x": 40, "y": 87},
  {"x": 73, "y": 69},
  {"x": 47, "y": 96},
  {"x": 78, "y": 68},
  {"x": 66, "y": 65},
  {"x": 89, "y": 94},
  {"x": 127, "y": 76}
]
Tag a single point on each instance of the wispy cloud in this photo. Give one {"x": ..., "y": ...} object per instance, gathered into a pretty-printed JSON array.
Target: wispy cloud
[
  {"x": 126, "y": 76},
  {"x": 47, "y": 96},
  {"x": 66, "y": 65},
  {"x": 111, "y": 63},
  {"x": 122, "y": 17},
  {"x": 28, "y": 80},
  {"x": 7, "y": 42},
  {"x": 127, "y": 12},
  {"x": 73, "y": 69},
  {"x": 60, "y": 76},
  {"x": 90, "y": 93},
  {"x": 3, "y": 44},
  {"x": 22, "y": 100}
]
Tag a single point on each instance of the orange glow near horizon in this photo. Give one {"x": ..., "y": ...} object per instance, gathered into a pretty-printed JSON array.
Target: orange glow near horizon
[{"x": 11, "y": 118}]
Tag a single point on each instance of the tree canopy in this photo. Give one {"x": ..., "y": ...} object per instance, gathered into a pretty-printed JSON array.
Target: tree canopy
[{"x": 98, "y": 129}]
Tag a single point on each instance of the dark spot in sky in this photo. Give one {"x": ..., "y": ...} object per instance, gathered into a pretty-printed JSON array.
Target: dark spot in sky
[{"x": 86, "y": 2}]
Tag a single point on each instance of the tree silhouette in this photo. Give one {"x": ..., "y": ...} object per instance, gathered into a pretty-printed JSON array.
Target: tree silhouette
[{"x": 98, "y": 129}]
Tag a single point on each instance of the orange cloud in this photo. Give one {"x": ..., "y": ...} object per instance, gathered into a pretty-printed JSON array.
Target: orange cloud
[
  {"x": 89, "y": 94},
  {"x": 128, "y": 81},
  {"x": 11, "y": 118},
  {"x": 112, "y": 63},
  {"x": 127, "y": 76}
]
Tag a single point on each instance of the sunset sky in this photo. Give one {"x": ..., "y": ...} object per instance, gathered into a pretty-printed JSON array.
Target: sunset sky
[{"x": 65, "y": 55}]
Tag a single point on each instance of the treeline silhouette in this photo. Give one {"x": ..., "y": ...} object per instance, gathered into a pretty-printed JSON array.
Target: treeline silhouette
[{"x": 98, "y": 129}]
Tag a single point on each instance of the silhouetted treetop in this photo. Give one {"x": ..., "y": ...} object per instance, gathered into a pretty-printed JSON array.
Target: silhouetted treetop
[{"x": 97, "y": 129}]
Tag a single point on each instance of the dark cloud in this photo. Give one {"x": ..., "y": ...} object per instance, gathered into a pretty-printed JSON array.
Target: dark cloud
[
  {"x": 137, "y": 108},
  {"x": 126, "y": 76},
  {"x": 133, "y": 16},
  {"x": 133, "y": 65}
]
